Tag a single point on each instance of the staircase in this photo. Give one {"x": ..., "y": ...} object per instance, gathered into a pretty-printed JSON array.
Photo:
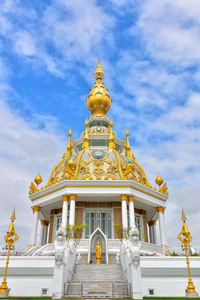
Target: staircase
[{"x": 97, "y": 281}]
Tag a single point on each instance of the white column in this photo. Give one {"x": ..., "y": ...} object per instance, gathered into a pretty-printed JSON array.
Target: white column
[
  {"x": 43, "y": 234},
  {"x": 154, "y": 232},
  {"x": 36, "y": 210},
  {"x": 124, "y": 211},
  {"x": 65, "y": 211},
  {"x": 163, "y": 236},
  {"x": 72, "y": 209},
  {"x": 150, "y": 232},
  {"x": 131, "y": 211}
]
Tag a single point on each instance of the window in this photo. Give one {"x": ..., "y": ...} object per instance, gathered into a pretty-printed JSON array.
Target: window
[
  {"x": 44, "y": 291},
  {"x": 151, "y": 292},
  {"x": 101, "y": 219},
  {"x": 58, "y": 222}
]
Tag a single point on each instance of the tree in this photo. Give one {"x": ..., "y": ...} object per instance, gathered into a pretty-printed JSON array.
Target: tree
[
  {"x": 121, "y": 232},
  {"x": 74, "y": 232}
]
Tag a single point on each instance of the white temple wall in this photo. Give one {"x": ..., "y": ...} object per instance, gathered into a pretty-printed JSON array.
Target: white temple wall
[{"x": 166, "y": 275}]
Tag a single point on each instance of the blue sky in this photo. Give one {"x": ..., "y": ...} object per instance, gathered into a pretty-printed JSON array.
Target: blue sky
[{"x": 150, "y": 53}]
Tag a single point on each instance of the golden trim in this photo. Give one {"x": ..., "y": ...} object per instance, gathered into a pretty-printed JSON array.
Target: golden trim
[
  {"x": 131, "y": 198},
  {"x": 44, "y": 222},
  {"x": 123, "y": 197},
  {"x": 72, "y": 196},
  {"x": 119, "y": 164},
  {"x": 78, "y": 163},
  {"x": 160, "y": 209},
  {"x": 65, "y": 198},
  {"x": 83, "y": 185},
  {"x": 152, "y": 223},
  {"x": 36, "y": 209}
]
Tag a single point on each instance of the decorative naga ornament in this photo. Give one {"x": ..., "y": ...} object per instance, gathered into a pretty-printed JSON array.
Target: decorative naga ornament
[
  {"x": 185, "y": 238},
  {"x": 98, "y": 252},
  {"x": 10, "y": 238}
]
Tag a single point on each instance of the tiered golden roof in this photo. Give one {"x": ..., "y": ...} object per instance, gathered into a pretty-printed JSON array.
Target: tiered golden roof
[{"x": 99, "y": 150}]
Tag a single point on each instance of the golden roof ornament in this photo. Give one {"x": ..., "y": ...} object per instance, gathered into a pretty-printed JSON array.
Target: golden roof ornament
[
  {"x": 70, "y": 146},
  {"x": 99, "y": 101},
  {"x": 111, "y": 138},
  {"x": 127, "y": 147},
  {"x": 185, "y": 238},
  {"x": 38, "y": 179},
  {"x": 86, "y": 138},
  {"x": 159, "y": 180}
]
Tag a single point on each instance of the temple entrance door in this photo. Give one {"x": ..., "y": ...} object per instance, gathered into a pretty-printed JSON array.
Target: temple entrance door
[{"x": 97, "y": 235}]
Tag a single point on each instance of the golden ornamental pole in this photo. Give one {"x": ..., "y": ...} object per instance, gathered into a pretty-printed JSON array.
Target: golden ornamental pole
[
  {"x": 11, "y": 237},
  {"x": 185, "y": 238}
]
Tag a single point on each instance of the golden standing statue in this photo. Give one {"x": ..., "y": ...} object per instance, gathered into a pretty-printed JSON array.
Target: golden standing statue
[
  {"x": 11, "y": 237},
  {"x": 98, "y": 252},
  {"x": 185, "y": 238}
]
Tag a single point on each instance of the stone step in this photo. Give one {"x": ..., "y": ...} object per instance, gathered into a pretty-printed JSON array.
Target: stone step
[
  {"x": 98, "y": 289},
  {"x": 97, "y": 273}
]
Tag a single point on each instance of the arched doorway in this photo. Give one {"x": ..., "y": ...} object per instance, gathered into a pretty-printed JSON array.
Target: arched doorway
[{"x": 95, "y": 236}]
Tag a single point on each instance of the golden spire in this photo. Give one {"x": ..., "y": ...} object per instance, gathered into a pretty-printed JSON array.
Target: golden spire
[
  {"x": 86, "y": 138},
  {"x": 159, "y": 180},
  {"x": 98, "y": 101},
  {"x": 111, "y": 138},
  {"x": 183, "y": 218},
  {"x": 99, "y": 73},
  {"x": 11, "y": 237},
  {"x": 69, "y": 146},
  {"x": 127, "y": 147},
  {"x": 185, "y": 238},
  {"x": 13, "y": 215}
]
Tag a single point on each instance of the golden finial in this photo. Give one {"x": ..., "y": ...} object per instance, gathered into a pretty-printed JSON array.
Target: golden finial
[
  {"x": 183, "y": 218},
  {"x": 127, "y": 147},
  {"x": 111, "y": 138},
  {"x": 38, "y": 179},
  {"x": 69, "y": 146},
  {"x": 13, "y": 215},
  {"x": 185, "y": 238},
  {"x": 86, "y": 138},
  {"x": 99, "y": 73},
  {"x": 159, "y": 180},
  {"x": 99, "y": 101},
  {"x": 11, "y": 237}
]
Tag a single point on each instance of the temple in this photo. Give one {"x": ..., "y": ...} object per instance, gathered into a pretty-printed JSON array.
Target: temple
[
  {"x": 98, "y": 182},
  {"x": 121, "y": 250}
]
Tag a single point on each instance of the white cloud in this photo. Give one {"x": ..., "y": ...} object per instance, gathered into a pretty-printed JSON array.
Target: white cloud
[
  {"x": 25, "y": 150},
  {"x": 65, "y": 34},
  {"x": 24, "y": 44},
  {"x": 171, "y": 30}
]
